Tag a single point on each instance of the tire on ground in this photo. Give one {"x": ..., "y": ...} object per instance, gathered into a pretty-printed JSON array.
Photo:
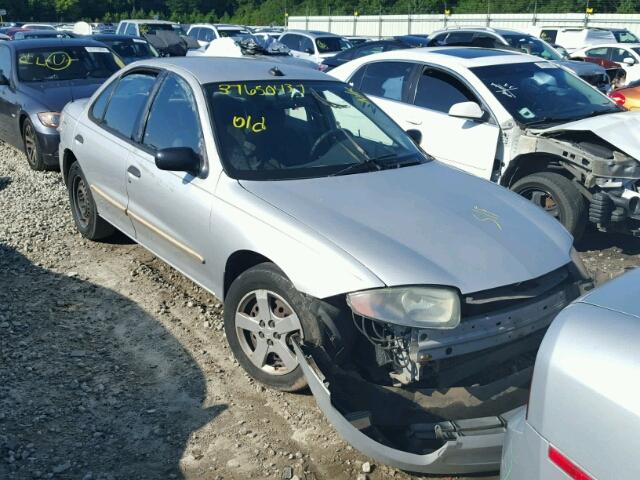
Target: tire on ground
[
  {"x": 95, "y": 227},
  {"x": 267, "y": 276},
  {"x": 572, "y": 207},
  {"x": 35, "y": 159}
]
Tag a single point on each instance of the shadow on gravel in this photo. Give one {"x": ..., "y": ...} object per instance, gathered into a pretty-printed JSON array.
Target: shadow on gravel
[
  {"x": 91, "y": 386},
  {"x": 594, "y": 240}
]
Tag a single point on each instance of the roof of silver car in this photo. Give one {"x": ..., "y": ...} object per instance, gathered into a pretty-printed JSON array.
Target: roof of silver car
[
  {"x": 311, "y": 33},
  {"x": 223, "y": 69}
]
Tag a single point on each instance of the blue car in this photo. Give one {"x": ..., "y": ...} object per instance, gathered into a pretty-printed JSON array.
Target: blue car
[{"x": 37, "y": 79}]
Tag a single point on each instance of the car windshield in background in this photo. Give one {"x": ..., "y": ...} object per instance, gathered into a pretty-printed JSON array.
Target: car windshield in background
[
  {"x": 624, "y": 36},
  {"x": 542, "y": 93},
  {"x": 232, "y": 32},
  {"x": 65, "y": 63},
  {"x": 134, "y": 48},
  {"x": 280, "y": 130},
  {"x": 533, "y": 46},
  {"x": 152, "y": 28},
  {"x": 331, "y": 44}
]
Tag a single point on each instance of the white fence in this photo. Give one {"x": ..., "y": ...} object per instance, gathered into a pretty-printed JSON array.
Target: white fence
[{"x": 391, "y": 25}]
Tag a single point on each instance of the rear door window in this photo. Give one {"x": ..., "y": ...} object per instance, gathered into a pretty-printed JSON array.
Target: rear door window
[
  {"x": 206, "y": 35},
  {"x": 127, "y": 102},
  {"x": 439, "y": 91},
  {"x": 619, "y": 54},
  {"x": 195, "y": 32},
  {"x": 386, "y": 79},
  {"x": 292, "y": 41}
]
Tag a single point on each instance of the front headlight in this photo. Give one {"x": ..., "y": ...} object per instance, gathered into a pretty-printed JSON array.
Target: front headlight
[
  {"x": 49, "y": 119},
  {"x": 419, "y": 307}
]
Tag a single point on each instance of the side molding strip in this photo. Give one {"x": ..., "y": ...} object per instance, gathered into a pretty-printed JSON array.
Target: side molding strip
[{"x": 151, "y": 227}]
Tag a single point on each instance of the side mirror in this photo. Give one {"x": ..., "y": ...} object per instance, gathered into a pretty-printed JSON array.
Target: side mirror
[
  {"x": 309, "y": 51},
  {"x": 4, "y": 81},
  {"x": 178, "y": 159},
  {"x": 415, "y": 135},
  {"x": 628, "y": 61},
  {"x": 469, "y": 110}
]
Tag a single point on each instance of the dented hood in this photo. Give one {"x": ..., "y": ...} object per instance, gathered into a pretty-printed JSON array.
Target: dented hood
[
  {"x": 426, "y": 224},
  {"x": 619, "y": 129}
]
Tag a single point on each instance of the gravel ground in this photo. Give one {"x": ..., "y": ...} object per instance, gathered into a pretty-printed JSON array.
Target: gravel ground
[{"x": 114, "y": 366}]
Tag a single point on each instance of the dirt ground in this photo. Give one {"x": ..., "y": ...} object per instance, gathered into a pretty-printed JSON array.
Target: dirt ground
[{"x": 114, "y": 366}]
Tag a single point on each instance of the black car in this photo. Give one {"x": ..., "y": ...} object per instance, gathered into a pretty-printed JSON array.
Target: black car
[
  {"x": 37, "y": 79},
  {"x": 127, "y": 47},
  {"x": 368, "y": 48}
]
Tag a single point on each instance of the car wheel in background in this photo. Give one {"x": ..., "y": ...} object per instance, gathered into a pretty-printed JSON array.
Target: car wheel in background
[
  {"x": 31, "y": 147},
  {"x": 558, "y": 196},
  {"x": 83, "y": 208},
  {"x": 263, "y": 312}
]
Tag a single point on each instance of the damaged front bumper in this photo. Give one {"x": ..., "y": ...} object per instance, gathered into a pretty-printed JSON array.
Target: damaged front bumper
[
  {"x": 473, "y": 445},
  {"x": 454, "y": 419}
]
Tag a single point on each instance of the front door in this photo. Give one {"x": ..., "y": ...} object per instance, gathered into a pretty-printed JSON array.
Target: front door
[
  {"x": 171, "y": 209},
  {"x": 468, "y": 144}
]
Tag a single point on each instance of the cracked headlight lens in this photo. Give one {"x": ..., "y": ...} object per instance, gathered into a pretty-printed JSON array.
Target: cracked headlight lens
[{"x": 419, "y": 307}]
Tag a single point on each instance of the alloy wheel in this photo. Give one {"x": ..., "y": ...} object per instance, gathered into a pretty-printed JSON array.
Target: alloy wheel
[
  {"x": 542, "y": 199},
  {"x": 30, "y": 144},
  {"x": 265, "y": 324}
]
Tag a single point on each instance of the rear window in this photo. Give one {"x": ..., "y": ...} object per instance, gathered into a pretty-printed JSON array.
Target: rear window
[
  {"x": 131, "y": 48},
  {"x": 65, "y": 63},
  {"x": 232, "y": 32},
  {"x": 331, "y": 44}
]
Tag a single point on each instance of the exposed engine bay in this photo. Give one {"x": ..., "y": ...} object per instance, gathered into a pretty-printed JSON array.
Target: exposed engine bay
[{"x": 607, "y": 177}]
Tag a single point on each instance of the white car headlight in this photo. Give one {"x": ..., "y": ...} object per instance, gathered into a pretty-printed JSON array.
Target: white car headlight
[
  {"x": 419, "y": 307},
  {"x": 49, "y": 119}
]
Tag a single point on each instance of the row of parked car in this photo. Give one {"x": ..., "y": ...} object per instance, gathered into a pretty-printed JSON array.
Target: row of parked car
[{"x": 411, "y": 297}]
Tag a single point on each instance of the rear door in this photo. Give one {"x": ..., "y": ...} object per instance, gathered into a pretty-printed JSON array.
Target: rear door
[
  {"x": 171, "y": 210},
  {"x": 103, "y": 144},
  {"x": 467, "y": 144}
]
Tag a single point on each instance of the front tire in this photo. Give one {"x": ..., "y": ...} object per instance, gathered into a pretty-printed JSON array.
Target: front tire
[
  {"x": 32, "y": 147},
  {"x": 558, "y": 196},
  {"x": 83, "y": 207},
  {"x": 263, "y": 312}
]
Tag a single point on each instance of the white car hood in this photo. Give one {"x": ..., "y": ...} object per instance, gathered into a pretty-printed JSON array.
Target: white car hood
[
  {"x": 427, "y": 224},
  {"x": 619, "y": 129}
]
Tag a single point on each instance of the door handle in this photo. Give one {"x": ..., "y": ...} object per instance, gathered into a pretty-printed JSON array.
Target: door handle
[
  {"x": 133, "y": 171},
  {"x": 79, "y": 139},
  {"x": 415, "y": 122}
]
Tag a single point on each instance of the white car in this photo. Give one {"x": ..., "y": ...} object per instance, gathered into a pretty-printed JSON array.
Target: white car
[
  {"x": 38, "y": 26},
  {"x": 627, "y": 55},
  {"x": 205, "y": 33},
  {"x": 520, "y": 121},
  {"x": 573, "y": 38},
  {"x": 314, "y": 45}
]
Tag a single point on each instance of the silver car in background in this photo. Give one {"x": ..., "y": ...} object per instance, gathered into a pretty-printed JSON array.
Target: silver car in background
[
  {"x": 410, "y": 297},
  {"x": 583, "y": 417}
]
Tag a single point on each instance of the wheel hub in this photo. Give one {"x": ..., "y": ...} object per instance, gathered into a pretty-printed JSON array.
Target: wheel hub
[{"x": 265, "y": 324}]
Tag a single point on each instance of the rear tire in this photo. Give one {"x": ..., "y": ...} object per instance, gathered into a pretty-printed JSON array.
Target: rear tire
[
  {"x": 83, "y": 207},
  {"x": 261, "y": 341},
  {"x": 558, "y": 196}
]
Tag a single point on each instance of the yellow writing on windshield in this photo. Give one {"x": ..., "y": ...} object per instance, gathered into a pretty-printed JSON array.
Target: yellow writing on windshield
[
  {"x": 54, "y": 61},
  {"x": 249, "y": 124},
  {"x": 263, "y": 90}
]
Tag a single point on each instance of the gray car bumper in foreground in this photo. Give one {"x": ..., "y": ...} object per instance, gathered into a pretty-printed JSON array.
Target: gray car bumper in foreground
[{"x": 473, "y": 445}]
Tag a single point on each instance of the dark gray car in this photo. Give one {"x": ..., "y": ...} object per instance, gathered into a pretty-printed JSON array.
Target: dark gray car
[
  {"x": 37, "y": 79},
  {"x": 523, "y": 42}
]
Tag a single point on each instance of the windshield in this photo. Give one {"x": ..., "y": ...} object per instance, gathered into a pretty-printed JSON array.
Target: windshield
[
  {"x": 65, "y": 63},
  {"x": 279, "y": 130},
  {"x": 152, "y": 28},
  {"x": 232, "y": 32},
  {"x": 332, "y": 44},
  {"x": 543, "y": 93},
  {"x": 625, "y": 36},
  {"x": 533, "y": 46},
  {"x": 132, "y": 48}
]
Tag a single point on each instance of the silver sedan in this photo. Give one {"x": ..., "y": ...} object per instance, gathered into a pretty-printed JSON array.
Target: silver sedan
[{"x": 410, "y": 297}]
